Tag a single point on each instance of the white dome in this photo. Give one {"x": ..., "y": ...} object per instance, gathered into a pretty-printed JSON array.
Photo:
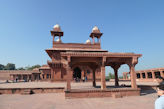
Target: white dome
[
  {"x": 56, "y": 27},
  {"x": 95, "y": 30},
  {"x": 88, "y": 41}
]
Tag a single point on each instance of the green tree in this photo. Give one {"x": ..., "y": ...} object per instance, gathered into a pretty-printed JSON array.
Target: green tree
[
  {"x": 10, "y": 66},
  {"x": 33, "y": 67},
  {"x": 21, "y": 68},
  {"x": 2, "y": 67},
  {"x": 111, "y": 76},
  {"x": 120, "y": 77}
]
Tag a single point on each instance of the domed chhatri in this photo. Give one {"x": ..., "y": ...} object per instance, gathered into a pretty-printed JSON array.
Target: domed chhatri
[
  {"x": 57, "y": 28},
  {"x": 95, "y": 34},
  {"x": 56, "y": 32},
  {"x": 88, "y": 41},
  {"x": 95, "y": 30}
]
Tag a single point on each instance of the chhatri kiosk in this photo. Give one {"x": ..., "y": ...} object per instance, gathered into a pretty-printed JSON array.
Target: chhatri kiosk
[{"x": 71, "y": 60}]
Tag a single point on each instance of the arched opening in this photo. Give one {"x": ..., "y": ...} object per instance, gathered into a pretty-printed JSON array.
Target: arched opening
[{"x": 77, "y": 73}]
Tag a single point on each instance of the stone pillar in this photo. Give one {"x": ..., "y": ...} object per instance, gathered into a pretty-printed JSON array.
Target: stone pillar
[
  {"x": 82, "y": 74},
  {"x": 32, "y": 77},
  {"x": 68, "y": 69},
  {"x": 45, "y": 76},
  {"x": 103, "y": 82},
  {"x": 99, "y": 41},
  {"x": 133, "y": 76},
  {"x": 126, "y": 76},
  {"x": 94, "y": 78},
  {"x": 93, "y": 40},
  {"x": 141, "y": 75},
  {"x": 14, "y": 77},
  {"x": 27, "y": 77},
  {"x": 115, "y": 68},
  {"x": 69, "y": 74},
  {"x": 146, "y": 75},
  {"x": 21, "y": 77},
  {"x": 52, "y": 75},
  {"x": 153, "y": 75},
  {"x": 161, "y": 73}
]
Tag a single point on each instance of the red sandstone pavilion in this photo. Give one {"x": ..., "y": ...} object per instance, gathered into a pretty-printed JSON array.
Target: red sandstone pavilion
[{"x": 71, "y": 60}]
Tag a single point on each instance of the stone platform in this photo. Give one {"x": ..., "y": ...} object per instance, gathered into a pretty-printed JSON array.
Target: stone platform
[
  {"x": 31, "y": 90},
  {"x": 92, "y": 93}
]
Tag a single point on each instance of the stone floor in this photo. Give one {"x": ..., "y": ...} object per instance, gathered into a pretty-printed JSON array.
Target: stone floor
[
  {"x": 63, "y": 84},
  {"x": 57, "y": 101}
]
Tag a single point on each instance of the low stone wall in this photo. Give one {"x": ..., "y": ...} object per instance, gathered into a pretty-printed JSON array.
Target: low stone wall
[
  {"x": 116, "y": 93},
  {"x": 148, "y": 87},
  {"x": 33, "y": 90}
]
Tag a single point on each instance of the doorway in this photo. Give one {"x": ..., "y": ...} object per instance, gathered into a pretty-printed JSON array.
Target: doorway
[{"x": 77, "y": 73}]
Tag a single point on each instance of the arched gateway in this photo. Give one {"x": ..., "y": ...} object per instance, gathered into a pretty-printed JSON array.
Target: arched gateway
[
  {"x": 77, "y": 73},
  {"x": 66, "y": 55}
]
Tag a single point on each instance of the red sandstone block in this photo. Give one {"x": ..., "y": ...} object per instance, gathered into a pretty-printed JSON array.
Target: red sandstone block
[{"x": 116, "y": 95}]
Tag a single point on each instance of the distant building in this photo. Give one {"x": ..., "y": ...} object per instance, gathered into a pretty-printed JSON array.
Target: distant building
[
  {"x": 27, "y": 75},
  {"x": 147, "y": 74}
]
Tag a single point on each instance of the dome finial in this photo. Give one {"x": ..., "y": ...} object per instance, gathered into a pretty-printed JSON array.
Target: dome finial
[
  {"x": 57, "y": 28},
  {"x": 88, "y": 41},
  {"x": 95, "y": 30}
]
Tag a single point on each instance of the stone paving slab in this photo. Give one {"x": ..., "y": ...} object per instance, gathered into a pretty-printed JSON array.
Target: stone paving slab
[
  {"x": 63, "y": 84},
  {"x": 57, "y": 101}
]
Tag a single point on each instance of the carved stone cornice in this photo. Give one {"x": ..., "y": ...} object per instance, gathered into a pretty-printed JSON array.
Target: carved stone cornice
[{"x": 99, "y": 54}]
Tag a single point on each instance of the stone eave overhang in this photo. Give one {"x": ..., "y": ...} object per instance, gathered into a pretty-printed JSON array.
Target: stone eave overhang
[
  {"x": 99, "y": 54},
  {"x": 50, "y": 50}
]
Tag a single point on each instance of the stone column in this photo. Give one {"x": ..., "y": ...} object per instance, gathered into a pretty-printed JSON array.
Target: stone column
[
  {"x": 82, "y": 74},
  {"x": 21, "y": 77},
  {"x": 146, "y": 75},
  {"x": 153, "y": 75},
  {"x": 161, "y": 73},
  {"x": 52, "y": 74},
  {"x": 126, "y": 76},
  {"x": 69, "y": 74},
  {"x": 45, "y": 76},
  {"x": 115, "y": 68},
  {"x": 68, "y": 69},
  {"x": 103, "y": 82},
  {"x": 13, "y": 77},
  {"x": 93, "y": 40},
  {"x": 141, "y": 75},
  {"x": 27, "y": 77},
  {"x": 94, "y": 78},
  {"x": 99, "y": 41},
  {"x": 133, "y": 76}
]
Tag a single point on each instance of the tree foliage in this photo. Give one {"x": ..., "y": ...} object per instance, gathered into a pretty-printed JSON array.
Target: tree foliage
[
  {"x": 10, "y": 66},
  {"x": 20, "y": 68},
  {"x": 2, "y": 67},
  {"x": 111, "y": 76},
  {"x": 32, "y": 67}
]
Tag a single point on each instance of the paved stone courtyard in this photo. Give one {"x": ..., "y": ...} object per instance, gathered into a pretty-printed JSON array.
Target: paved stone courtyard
[
  {"x": 58, "y": 101},
  {"x": 63, "y": 84}
]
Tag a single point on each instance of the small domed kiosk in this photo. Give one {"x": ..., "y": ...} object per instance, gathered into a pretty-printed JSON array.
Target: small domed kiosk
[
  {"x": 95, "y": 34},
  {"x": 56, "y": 32}
]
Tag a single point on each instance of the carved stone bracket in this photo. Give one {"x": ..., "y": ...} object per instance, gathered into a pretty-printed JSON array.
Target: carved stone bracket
[{"x": 133, "y": 62}]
